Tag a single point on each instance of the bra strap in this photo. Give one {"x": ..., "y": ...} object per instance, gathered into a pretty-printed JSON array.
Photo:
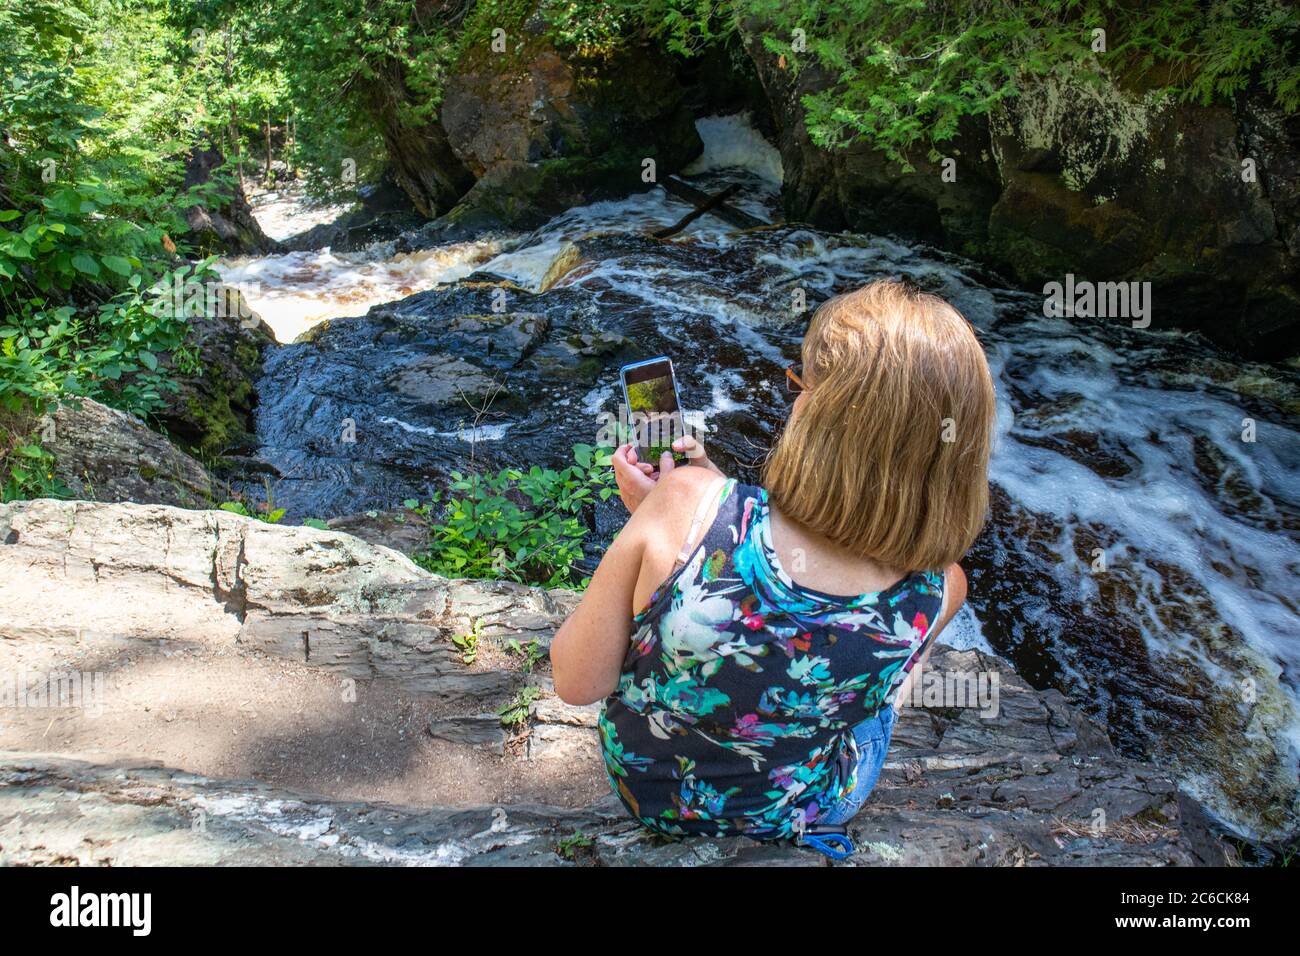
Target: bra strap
[{"x": 701, "y": 510}]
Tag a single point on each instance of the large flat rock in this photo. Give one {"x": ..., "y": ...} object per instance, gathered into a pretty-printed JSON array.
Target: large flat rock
[{"x": 185, "y": 599}]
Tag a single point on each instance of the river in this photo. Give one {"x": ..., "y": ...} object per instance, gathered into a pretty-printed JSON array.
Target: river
[{"x": 1145, "y": 538}]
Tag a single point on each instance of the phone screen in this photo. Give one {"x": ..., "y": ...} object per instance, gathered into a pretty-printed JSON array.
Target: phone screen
[{"x": 653, "y": 411}]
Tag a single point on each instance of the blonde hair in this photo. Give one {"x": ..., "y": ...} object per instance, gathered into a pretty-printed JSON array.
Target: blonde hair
[{"x": 888, "y": 454}]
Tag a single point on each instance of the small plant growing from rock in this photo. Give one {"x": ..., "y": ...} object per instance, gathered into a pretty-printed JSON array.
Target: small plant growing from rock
[
  {"x": 271, "y": 516},
  {"x": 266, "y": 511},
  {"x": 516, "y": 711},
  {"x": 569, "y": 847},
  {"x": 468, "y": 643},
  {"x": 26, "y": 468},
  {"x": 530, "y": 652}
]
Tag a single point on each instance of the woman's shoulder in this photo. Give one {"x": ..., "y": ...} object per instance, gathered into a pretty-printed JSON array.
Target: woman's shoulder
[
  {"x": 668, "y": 509},
  {"x": 684, "y": 486}
]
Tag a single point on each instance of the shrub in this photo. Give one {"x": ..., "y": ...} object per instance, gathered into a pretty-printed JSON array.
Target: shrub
[{"x": 522, "y": 526}]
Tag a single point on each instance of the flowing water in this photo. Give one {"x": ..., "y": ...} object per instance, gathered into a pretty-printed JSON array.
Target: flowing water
[{"x": 1144, "y": 545}]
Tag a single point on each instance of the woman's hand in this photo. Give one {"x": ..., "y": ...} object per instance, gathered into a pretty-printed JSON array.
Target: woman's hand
[
  {"x": 636, "y": 478},
  {"x": 694, "y": 451}
]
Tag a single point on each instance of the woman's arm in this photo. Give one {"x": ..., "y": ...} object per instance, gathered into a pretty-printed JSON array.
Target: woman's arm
[
  {"x": 954, "y": 596},
  {"x": 588, "y": 650}
]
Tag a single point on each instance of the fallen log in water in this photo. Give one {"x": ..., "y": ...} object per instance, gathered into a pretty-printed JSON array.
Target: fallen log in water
[
  {"x": 715, "y": 204},
  {"x": 709, "y": 205}
]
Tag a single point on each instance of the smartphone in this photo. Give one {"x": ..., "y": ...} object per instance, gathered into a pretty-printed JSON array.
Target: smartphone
[{"x": 654, "y": 410}]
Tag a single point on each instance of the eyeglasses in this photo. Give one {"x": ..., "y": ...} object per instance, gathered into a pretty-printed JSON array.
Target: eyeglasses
[{"x": 794, "y": 378}]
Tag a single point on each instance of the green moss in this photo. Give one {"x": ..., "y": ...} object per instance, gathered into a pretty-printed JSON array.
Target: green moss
[
  {"x": 248, "y": 357},
  {"x": 217, "y": 426}
]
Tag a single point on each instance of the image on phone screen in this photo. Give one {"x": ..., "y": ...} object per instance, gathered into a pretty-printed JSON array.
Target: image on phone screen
[{"x": 654, "y": 412}]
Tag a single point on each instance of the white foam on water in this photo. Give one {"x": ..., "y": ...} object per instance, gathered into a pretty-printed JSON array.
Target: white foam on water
[
  {"x": 475, "y": 433},
  {"x": 731, "y": 142},
  {"x": 297, "y": 290},
  {"x": 964, "y": 632},
  {"x": 287, "y": 211}
]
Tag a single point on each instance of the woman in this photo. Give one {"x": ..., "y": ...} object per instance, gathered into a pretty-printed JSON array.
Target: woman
[{"x": 752, "y": 643}]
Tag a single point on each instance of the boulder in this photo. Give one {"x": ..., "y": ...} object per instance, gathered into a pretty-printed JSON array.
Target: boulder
[
  {"x": 103, "y": 454},
  {"x": 441, "y": 380},
  {"x": 225, "y": 227},
  {"x": 211, "y": 413},
  {"x": 1031, "y": 782},
  {"x": 543, "y": 129},
  {"x": 295, "y": 592},
  {"x": 482, "y": 731},
  {"x": 383, "y": 212}
]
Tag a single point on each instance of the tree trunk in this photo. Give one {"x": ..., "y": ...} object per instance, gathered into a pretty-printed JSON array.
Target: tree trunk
[{"x": 290, "y": 141}]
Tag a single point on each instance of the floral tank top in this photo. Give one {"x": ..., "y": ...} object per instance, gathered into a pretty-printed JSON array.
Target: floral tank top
[{"x": 735, "y": 708}]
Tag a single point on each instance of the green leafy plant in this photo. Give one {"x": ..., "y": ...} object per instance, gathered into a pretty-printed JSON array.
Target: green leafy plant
[
  {"x": 906, "y": 72},
  {"x": 516, "y": 711},
  {"x": 522, "y": 526},
  {"x": 239, "y": 508},
  {"x": 26, "y": 468},
  {"x": 569, "y": 846},
  {"x": 264, "y": 511},
  {"x": 531, "y": 652},
  {"x": 112, "y": 352},
  {"x": 97, "y": 127},
  {"x": 467, "y": 643}
]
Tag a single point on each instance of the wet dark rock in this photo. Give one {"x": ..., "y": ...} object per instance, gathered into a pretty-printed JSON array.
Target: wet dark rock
[
  {"x": 370, "y": 411},
  {"x": 440, "y": 380},
  {"x": 402, "y": 530},
  {"x": 579, "y": 357},
  {"x": 211, "y": 413},
  {"x": 354, "y": 231},
  {"x": 499, "y": 340},
  {"x": 382, "y": 214}
]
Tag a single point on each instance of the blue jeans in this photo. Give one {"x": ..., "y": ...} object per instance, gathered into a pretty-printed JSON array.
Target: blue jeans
[{"x": 873, "y": 743}]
